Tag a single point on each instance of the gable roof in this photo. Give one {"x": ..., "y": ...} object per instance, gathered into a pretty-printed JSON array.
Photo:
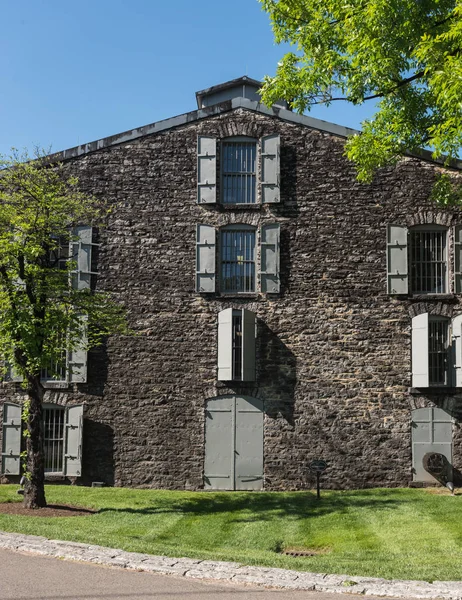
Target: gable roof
[
  {"x": 218, "y": 109},
  {"x": 197, "y": 115}
]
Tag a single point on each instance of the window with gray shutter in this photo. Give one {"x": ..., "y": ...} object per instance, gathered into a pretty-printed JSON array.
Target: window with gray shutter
[
  {"x": 270, "y": 281},
  {"x": 73, "y": 442},
  {"x": 11, "y": 439},
  {"x": 236, "y": 345},
  {"x": 206, "y": 170},
  {"x": 205, "y": 258},
  {"x": 457, "y": 350},
  {"x": 420, "y": 332},
  {"x": 270, "y": 169},
  {"x": 225, "y": 345},
  {"x": 78, "y": 357},
  {"x": 397, "y": 269},
  {"x": 81, "y": 253},
  {"x": 458, "y": 259}
]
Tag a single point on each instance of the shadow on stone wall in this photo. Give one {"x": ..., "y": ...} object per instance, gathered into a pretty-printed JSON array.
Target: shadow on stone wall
[
  {"x": 98, "y": 453},
  {"x": 289, "y": 204},
  {"x": 277, "y": 374}
]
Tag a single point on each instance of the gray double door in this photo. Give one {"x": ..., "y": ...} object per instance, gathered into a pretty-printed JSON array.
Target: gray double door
[
  {"x": 234, "y": 443},
  {"x": 431, "y": 432}
]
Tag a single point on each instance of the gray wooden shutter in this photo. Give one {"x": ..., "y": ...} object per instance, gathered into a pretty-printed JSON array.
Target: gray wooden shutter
[
  {"x": 205, "y": 258},
  {"x": 420, "y": 375},
  {"x": 457, "y": 350},
  {"x": 397, "y": 270},
  {"x": 11, "y": 440},
  {"x": 206, "y": 170},
  {"x": 270, "y": 281},
  {"x": 248, "y": 345},
  {"x": 81, "y": 253},
  {"x": 225, "y": 345},
  {"x": 270, "y": 169},
  {"x": 73, "y": 441},
  {"x": 77, "y": 358},
  {"x": 219, "y": 443},
  {"x": 458, "y": 259}
]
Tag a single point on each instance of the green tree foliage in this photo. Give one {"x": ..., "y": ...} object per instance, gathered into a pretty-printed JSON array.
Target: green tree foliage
[
  {"x": 43, "y": 317},
  {"x": 404, "y": 54}
]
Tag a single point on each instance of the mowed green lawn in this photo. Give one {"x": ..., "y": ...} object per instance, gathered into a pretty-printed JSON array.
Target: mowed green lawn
[{"x": 404, "y": 533}]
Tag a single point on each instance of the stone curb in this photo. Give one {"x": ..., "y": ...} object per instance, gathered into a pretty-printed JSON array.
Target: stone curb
[{"x": 234, "y": 572}]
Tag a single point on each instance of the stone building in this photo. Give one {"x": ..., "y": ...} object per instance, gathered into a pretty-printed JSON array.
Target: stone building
[{"x": 283, "y": 311}]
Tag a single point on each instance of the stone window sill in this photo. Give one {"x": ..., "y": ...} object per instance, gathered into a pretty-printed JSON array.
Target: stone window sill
[
  {"x": 56, "y": 385},
  {"x": 423, "y": 297},
  {"x": 252, "y": 295},
  {"x": 435, "y": 390},
  {"x": 256, "y": 206}
]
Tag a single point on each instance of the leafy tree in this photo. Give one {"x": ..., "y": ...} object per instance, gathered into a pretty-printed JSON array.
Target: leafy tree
[
  {"x": 404, "y": 54},
  {"x": 43, "y": 316}
]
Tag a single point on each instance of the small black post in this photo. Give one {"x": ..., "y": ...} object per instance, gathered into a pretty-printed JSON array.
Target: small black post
[{"x": 318, "y": 489}]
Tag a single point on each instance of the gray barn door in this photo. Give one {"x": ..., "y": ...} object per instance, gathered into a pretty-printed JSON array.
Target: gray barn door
[
  {"x": 234, "y": 443},
  {"x": 431, "y": 432}
]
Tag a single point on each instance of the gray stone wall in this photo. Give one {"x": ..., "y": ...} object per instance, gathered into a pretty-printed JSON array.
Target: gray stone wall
[{"x": 333, "y": 350}]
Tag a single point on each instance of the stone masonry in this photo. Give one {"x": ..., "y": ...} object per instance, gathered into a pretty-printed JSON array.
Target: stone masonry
[{"x": 333, "y": 349}]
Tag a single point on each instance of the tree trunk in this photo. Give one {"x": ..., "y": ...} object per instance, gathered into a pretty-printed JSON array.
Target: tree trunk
[{"x": 34, "y": 487}]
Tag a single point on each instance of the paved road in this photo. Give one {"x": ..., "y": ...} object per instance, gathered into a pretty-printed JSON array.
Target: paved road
[{"x": 28, "y": 577}]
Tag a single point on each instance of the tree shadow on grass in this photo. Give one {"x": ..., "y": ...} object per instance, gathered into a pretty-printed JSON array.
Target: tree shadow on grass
[{"x": 252, "y": 507}]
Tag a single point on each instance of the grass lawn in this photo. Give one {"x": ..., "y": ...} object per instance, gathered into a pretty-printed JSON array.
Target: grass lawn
[{"x": 404, "y": 533}]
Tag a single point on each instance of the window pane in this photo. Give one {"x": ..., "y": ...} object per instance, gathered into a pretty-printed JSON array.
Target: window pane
[
  {"x": 438, "y": 352},
  {"x": 428, "y": 262},
  {"x": 53, "y": 439},
  {"x": 237, "y": 345},
  {"x": 239, "y": 172},
  {"x": 238, "y": 261}
]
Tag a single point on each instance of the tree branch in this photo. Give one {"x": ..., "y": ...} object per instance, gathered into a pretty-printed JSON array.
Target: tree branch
[{"x": 399, "y": 85}]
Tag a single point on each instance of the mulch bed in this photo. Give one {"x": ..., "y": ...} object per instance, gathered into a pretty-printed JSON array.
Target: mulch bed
[{"x": 52, "y": 510}]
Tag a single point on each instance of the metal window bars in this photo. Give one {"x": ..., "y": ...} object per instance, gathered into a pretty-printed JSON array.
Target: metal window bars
[
  {"x": 239, "y": 172},
  {"x": 53, "y": 439},
  {"x": 428, "y": 262},
  {"x": 238, "y": 261},
  {"x": 237, "y": 345},
  {"x": 438, "y": 350}
]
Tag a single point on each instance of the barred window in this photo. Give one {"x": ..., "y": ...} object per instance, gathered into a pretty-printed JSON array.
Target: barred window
[
  {"x": 237, "y": 344},
  {"x": 428, "y": 249},
  {"x": 53, "y": 439},
  {"x": 238, "y": 259},
  {"x": 438, "y": 351},
  {"x": 238, "y": 172}
]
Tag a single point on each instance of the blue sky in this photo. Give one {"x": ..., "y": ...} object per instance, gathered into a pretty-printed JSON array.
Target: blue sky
[{"x": 73, "y": 72}]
